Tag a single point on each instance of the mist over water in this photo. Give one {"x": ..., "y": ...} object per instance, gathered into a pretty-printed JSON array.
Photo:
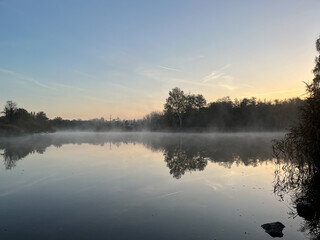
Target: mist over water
[
  {"x": 248, "y": 148},
  {"x": 84, "y": 185}
]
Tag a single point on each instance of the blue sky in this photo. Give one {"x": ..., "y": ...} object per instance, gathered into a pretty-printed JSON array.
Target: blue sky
[{"x": 86, "y": 59}]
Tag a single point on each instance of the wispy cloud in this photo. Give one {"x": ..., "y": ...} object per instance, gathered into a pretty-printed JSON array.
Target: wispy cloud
[
  {"x": 118, "y": 86},
  {"x": 155, "y": 75},
  {"x": 228, "y": 86},
  {"x": 217, "y": 74},
  {"x": 221, "y": 79},
  {"x": 168, "y": 68},
  {"x": 60, "y": 85},
  {"x": 26, "y": 78},
  {"x": 212, "y": 76}
]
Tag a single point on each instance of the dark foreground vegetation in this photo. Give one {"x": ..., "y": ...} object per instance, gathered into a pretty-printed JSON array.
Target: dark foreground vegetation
[
  {"x": 299, "y": 177},
  {"x": 18, "y": 120},
  {"x": 182, "y": 112}
]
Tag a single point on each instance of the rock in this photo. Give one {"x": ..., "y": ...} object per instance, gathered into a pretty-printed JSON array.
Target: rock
[
  {"x": 305, "y": 210},
  {"x": 274, "y": 229}
]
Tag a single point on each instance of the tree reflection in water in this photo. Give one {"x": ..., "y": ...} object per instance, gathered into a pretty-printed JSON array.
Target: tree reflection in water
[
  {"x": 180, "y": 160},
  {"x": 182, "y": 152},
  {"x": 191, "y": 153},
  {"x": 299, "y": 179},
  {"x": 15, "y": 149}
]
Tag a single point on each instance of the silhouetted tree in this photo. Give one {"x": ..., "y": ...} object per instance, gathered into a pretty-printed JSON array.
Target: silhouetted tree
[
  {"x": 176, "y": 103},
  {"x": 154, "y": 121},
  {"x": 195, "y": 102},
  {"x": 9, "y": 110},
  {"x": 302, "y": 143},
  {"x": 299, "y": 177},
  {"x": 19, "y": 120},
  {"x": 41, "y": 116}
]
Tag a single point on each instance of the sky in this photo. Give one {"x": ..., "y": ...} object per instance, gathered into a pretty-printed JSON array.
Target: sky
[{"x": 91, "y": 59}]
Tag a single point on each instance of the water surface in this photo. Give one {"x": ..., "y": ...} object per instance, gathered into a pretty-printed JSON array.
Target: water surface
[{"x": 140, "y": 186}]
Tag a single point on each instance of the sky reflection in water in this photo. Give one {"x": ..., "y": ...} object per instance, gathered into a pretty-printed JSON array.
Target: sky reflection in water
[{"x": 140, "y": 186}]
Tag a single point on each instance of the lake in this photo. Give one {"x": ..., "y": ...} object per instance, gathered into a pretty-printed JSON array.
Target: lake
[{"x": 141, "y": 186}]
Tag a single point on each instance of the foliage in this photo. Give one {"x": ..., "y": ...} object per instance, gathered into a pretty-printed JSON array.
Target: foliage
[
  {"x": 9, "y": 110},
  {"x": 227, "y": 115},
  {"x": 300, "y": 149},
  {"x": 302, "y": 143},
  {"x": 180, "y": 104},
  {"x": 18, "y": 120},
  {"x": 176, "y": 103}
]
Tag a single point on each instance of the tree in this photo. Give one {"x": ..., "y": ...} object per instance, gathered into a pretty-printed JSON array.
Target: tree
[
  {"x": 316, "y": 70},
  {"x": 182, "y": 105},
  {"x": 41, "y": 116},
  {"x": 176, "y": 103},
  {"x": 300, "y": 176},
  {"x": 9, "y": 110},
  {"x": 153, "y": 121},
  {"x": 302, "y": 143},
  {"x": 196, "y": 102}
]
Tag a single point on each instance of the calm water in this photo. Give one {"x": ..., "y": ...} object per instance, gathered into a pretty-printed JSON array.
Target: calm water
[{"x": 140, "y": 186}]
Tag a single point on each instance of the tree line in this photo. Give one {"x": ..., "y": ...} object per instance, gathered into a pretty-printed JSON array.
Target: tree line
[
  {"x": 191, "y": 112},
  {"x": 18, "y": 120},
  {"x": 182, "y": 112}
]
